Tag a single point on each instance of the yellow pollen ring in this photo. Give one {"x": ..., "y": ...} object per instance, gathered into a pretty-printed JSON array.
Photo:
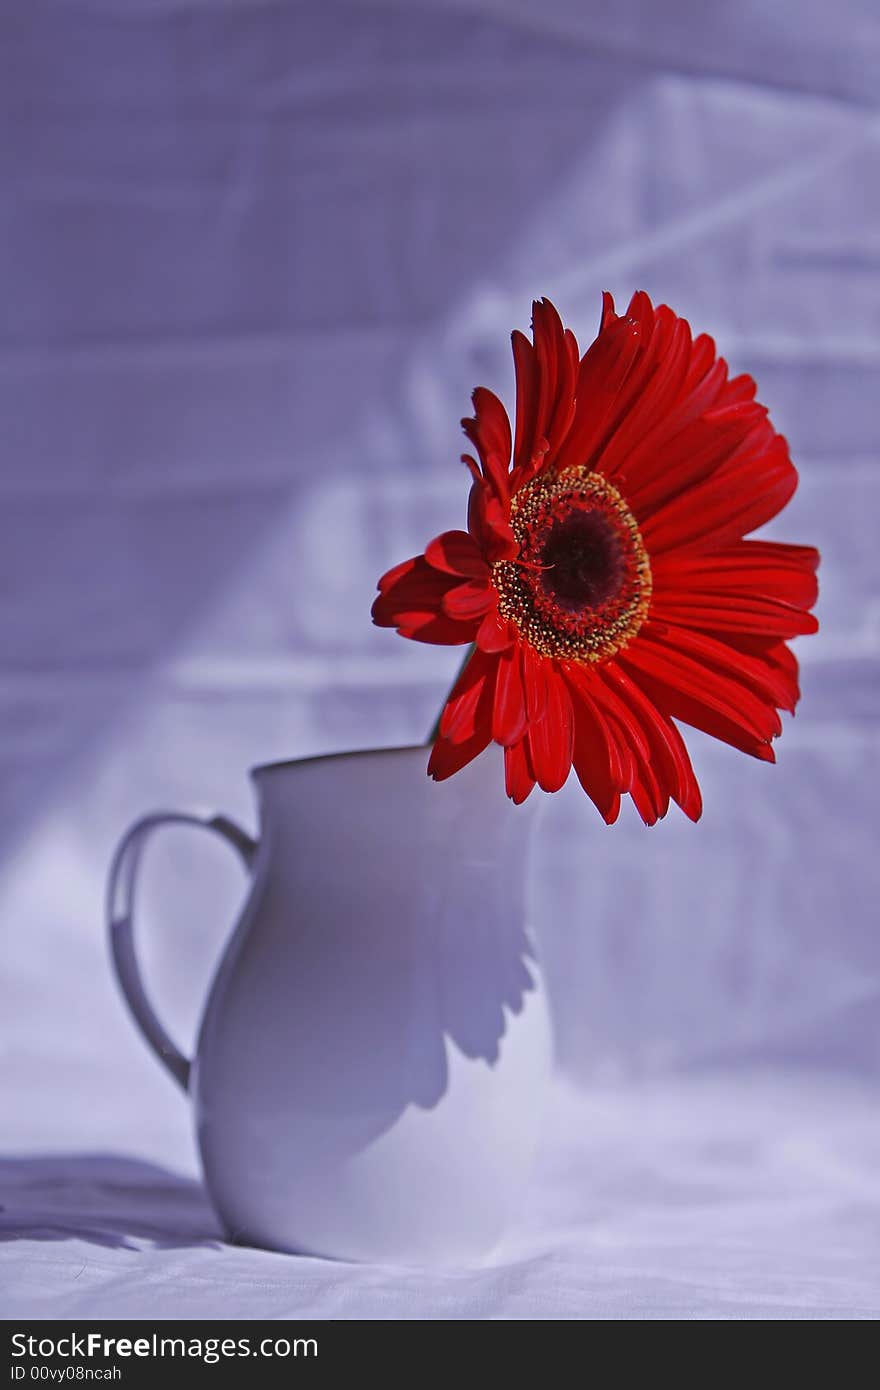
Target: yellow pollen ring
[{"x": 615, "y": 624}]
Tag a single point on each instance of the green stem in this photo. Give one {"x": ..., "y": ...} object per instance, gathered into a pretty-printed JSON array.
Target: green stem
[{"x": 435, "y": 730}]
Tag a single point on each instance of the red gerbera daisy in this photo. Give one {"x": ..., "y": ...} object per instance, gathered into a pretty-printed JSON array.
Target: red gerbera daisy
[{"x": 604, "y": 576}]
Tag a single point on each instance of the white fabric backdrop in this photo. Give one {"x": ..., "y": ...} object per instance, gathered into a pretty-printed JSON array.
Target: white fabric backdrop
[{"x": 255, "y": 257}]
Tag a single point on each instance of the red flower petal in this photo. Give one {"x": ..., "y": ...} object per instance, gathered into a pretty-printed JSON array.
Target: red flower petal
[
  {"x": 587, "y": 681},
  {"x": 766, "y": 569},
  {"x": 658, "y": 401},
  {"x": 596, "y": 758},
  {"x": 448, "y": 758},
  {"x": 608, "y": 315},
  {"x": 603, "y": 370},
  {"x": 509, "y": 713},
  {"x": 556, "y": 374},
  {"x": 775, "y": 659},
  {"x": 468, "y": 710},
  {"x": 470, "y": 600},
  {"x": 438, "y": 632},
  {"x": 728, "y": 657},
  {"x": 718, "y": 691},
  {"x": 518, "y": 779},
  {"x": 668, "y": 754},
  {"x": 535, "y": 682},
  {"x": 664, "y": 469},
  {"x": 551, "y": 738},
  {"x": 525, "y": 365},
  {"x": 489, "y": 524},
  {"x": 455, "y": 552},
  {"x": 692, "y": 710},
  {"x": 489, "y": 431},
  {"x": 411, "y": 598},
  {"x": 494, "y": 634},
  {"x": 412, "y": 587},
  {"x": 722, "y": 613},
  {"x": 729, "y": 504}
]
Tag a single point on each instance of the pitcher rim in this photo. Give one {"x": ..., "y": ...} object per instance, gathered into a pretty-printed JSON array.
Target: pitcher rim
[{"x": 259, "y": 769}]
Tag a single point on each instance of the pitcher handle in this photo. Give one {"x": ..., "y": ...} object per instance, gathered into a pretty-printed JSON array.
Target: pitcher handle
[{"x": 120, "y": 920}]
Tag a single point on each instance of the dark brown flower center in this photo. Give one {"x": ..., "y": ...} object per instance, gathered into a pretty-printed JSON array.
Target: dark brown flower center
[
  {"x": 580, "y": 587},
  {"x": 583, "y": 560}
]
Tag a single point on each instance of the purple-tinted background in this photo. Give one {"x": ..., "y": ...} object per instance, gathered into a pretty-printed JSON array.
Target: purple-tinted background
[{"x": 255, "y": 256}]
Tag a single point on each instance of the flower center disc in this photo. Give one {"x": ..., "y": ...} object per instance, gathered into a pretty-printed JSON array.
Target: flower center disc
[{"x": 581, "y": 585}]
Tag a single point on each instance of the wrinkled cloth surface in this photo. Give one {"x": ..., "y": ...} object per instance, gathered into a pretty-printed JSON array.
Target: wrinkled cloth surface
[
  {"x": 255, "y": 259},
  {"x": 722, "y": 1200}
]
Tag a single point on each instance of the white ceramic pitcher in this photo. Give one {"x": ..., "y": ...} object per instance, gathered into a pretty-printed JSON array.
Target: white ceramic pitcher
[{"x": 373, "y": 1054}]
